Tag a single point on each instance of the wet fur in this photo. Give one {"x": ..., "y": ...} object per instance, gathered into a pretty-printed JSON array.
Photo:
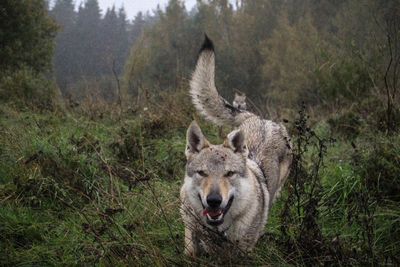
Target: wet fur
[
  {"x": 239, "y": 101},
  {"x": 258, "y": 150}
]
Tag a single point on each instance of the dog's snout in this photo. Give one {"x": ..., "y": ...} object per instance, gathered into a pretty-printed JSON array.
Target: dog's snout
[{"x": 214, "y": 200}]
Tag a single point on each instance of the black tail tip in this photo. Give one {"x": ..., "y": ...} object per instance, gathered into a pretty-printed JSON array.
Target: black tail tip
[{"x": 207, "y": 44}]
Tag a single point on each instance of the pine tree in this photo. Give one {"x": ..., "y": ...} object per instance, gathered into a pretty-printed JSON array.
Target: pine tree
[
  {"x": 110, "y": 39},
  {"x": 26, "y": 35},
  {"x": 65, "y": 51},
  {"x": 137, "y": 26},
  {"x": 123, "y": 43},
  {"x": 88, "y": 39}
]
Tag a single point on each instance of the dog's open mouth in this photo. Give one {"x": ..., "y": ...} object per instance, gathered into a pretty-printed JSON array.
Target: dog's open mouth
[{"x": 215, "y": 217}]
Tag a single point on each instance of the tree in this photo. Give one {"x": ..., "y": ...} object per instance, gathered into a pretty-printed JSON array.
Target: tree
[
  {"x": 65, "y": 50},
  {"x": 26, "y": 35},
  {"x": 137, "y": 26},
  {"x": 391, "y": 52},
  {"x": 114, "y": 36},
  {"x": 164, "y": 49},
  {"x": 88, "y": 30},
  {"x": 110, "y": 39},
  {"x": 290, "y": 60},
  {"x": 122, "y": 40}
]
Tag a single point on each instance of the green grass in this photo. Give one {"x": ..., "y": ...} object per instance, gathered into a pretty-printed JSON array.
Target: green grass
[{"x": 75, "y": 191}]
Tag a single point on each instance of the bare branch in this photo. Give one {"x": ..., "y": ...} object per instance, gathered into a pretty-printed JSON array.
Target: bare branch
[{"x": 119, "y": 89}]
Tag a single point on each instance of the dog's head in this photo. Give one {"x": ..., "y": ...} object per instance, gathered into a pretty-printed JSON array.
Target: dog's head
[
  {"x": 239, "y": 101},
  {"x": 214, "y": 172}
]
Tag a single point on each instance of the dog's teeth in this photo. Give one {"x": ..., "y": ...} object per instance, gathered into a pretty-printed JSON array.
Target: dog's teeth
[
  {"x": 209, "y": 217},
  {"x": 220, "y": 216}
]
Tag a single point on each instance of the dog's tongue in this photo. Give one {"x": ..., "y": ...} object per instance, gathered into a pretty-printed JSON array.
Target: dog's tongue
[{"x": 212, "y": 213}]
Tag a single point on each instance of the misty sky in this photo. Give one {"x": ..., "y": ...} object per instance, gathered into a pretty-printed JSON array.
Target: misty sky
[{"x": 132, "y": 7}]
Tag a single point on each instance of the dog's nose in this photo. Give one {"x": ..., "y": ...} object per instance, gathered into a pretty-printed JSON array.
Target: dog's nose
[{"x": 214, "y": 200}]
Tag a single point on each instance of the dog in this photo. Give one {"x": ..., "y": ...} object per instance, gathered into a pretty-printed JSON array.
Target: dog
[
  {"x": 228, "y": 188},
  {"x": 239, "y": 101}
]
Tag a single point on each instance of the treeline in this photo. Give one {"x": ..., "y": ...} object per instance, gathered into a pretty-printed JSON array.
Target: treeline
[
  {"x": 89, "y": 45},
  {"x": 26, "y": 49},
  {"x": 326, "y": 53}
]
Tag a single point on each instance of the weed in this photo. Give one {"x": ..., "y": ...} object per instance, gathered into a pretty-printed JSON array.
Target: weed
[{"x": 77, "y": 190}]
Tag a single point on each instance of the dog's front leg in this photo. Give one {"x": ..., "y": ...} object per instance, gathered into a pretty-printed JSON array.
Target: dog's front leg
[
  {"x": 189, "y": 244},
  {"x": 192, "y": 243}
]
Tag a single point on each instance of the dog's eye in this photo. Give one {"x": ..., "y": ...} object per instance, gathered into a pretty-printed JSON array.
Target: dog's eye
[
  {"x": 201, "y": 173},
  {"x": 229, "y": 174}
]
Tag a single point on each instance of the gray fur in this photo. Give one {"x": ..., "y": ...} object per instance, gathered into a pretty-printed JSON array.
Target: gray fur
[
  {"x": 239, "y": 101},
  {"x": 258, "y": 152},
  {"x": 205, "y": 96}
]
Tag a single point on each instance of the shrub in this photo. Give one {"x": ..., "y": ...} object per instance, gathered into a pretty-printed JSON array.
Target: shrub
[
  {"x": 300, "y": 220},
  {"x": 346, "y": 124},
  {"x": 379, "y": 163},
  {"x": 27, "y": 88}
]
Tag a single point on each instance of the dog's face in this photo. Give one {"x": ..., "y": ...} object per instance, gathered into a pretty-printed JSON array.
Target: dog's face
[
  {"x": 239, "y": 101},
  {"x": 214, "y": 173}
]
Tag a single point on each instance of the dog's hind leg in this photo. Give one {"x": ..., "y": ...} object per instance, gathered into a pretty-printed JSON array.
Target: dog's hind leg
[
  {"x": 284, "y": 170},
  {"x": 270, "y": 167}
]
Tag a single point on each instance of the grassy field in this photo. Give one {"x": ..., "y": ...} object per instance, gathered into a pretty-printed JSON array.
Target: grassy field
[{"x": 80, "y": 188}]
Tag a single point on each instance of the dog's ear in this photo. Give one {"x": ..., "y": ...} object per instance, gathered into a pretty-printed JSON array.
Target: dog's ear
[
  {"x": 195, "y": 140},
  {"x": 236, "y": 142}
]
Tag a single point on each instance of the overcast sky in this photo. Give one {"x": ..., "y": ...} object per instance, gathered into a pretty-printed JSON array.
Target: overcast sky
[{"x": 132, "y": 7}]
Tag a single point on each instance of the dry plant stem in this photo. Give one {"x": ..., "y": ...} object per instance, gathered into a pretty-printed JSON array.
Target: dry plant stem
[
  {"x": 391, "y": 31},
  {"x": 119, "y": 90},
  {"x": 86, "y": 218},
  {"x": 255, "y": 106},
  {"x": 164, "y": 216},
  {"x": 141, "y": 146},
  {"x": 109, "y": 174},
  {"x": 153, "y": 193}
]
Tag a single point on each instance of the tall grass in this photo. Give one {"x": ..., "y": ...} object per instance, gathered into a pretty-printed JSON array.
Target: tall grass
[{"x": 84, "y": 189}]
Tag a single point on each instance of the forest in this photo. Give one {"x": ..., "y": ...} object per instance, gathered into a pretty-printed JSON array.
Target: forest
[{"x": 94, "y": 109}]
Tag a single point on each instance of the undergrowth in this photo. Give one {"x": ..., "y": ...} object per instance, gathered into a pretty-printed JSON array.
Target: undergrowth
[{"x": 77, "y": 188}]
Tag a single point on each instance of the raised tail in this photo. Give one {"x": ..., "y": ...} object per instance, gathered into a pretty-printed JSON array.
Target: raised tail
[{"x": 204, "y": 94}]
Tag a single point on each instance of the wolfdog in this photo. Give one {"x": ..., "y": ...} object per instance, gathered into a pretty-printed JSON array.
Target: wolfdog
[
  {"x": 239, "y": 101},
  {"x": 228, "y": 188}
]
